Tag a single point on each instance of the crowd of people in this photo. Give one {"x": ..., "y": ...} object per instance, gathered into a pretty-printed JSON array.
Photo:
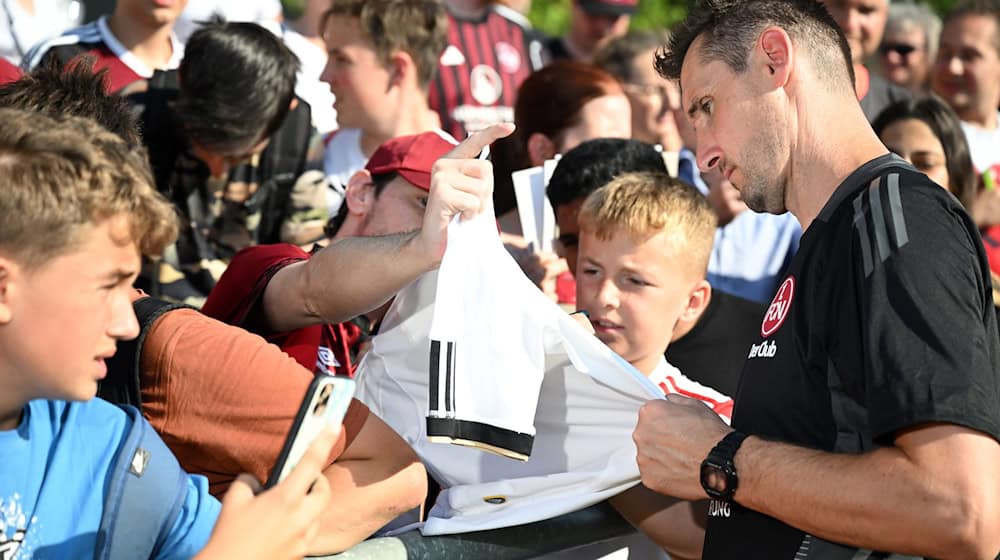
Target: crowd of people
[{"x": 792, "y": 202}]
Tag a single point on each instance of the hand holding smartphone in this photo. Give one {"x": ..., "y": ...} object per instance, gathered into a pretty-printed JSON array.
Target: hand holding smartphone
[{"x": 325, "y": 404}]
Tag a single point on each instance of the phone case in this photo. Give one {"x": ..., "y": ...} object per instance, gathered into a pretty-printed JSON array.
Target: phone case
[{"x": 325, "y": 404}]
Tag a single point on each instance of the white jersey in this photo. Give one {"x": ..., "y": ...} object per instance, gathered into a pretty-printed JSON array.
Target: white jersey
[
  {"x": 511, "y": 373},
  {"x": 984, "y": 145}
]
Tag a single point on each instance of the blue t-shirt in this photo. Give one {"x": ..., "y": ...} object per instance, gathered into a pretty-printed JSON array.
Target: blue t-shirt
[
  {"x": 54, "y": 471},
  {"x": 751, "y": 254}
]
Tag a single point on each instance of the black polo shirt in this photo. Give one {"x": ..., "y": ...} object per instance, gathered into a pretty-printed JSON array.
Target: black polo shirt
[{"x": 884, "y": 321}]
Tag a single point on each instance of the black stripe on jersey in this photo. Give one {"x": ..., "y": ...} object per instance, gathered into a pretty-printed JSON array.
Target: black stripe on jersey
[
  {"x": 888, "y": 229},
  {"x": 449, "y": 384},
  {"x": 435, "y": 374}
]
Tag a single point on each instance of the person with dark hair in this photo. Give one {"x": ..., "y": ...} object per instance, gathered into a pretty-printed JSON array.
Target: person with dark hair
[
  {"x": 593, "y": 23},
  {"x": 867, "y": 417},
  {"x": 133, "y": 42},
  {"x": 78, "y": 90},
  {"x": 863, "y": 23},
  {"x": 230, "y": 94},
  {"x": 710, "y": 347},
  {"x": 655, "y": 102},
  {"x": 967, "y": 75},
  {"x": 927, "y": 133}
]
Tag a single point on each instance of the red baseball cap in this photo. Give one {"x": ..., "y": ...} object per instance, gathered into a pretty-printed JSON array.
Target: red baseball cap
[
  {"x": 411, "y": 156},
  {"x": 609, "y": 7}
]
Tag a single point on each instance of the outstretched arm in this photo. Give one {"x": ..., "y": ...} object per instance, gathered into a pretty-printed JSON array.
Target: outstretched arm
[{"x": 354, "y": 276}]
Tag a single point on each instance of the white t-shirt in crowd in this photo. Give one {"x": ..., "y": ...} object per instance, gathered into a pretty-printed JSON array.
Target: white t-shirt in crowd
[{"x": 984, "y": 145}]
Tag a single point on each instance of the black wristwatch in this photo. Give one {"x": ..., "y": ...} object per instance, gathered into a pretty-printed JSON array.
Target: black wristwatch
[{"x": 718, "y": 473}]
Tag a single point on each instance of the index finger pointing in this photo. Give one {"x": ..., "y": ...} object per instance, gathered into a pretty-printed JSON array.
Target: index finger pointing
[{"x": 471, "y": 146}]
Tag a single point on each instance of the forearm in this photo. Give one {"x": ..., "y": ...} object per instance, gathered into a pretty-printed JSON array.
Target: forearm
[
  {"x": 365, "y": 495},
  {"x": 882, "y": 500},
  {"x": 677, "y": 526},
  {"x": 349, "y": 277}
]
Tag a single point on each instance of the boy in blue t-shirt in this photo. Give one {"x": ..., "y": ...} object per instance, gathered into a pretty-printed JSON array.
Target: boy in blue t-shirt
[{"x": 78, "y": 208}]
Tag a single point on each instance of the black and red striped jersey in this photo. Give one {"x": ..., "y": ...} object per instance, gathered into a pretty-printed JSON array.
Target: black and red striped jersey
[
  {"x": 96, "y": 39},
  {"x": 479, "y": 72}
]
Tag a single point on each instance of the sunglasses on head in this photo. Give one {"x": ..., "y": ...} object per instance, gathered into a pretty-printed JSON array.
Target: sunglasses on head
[{"x": 898, "y": 48}]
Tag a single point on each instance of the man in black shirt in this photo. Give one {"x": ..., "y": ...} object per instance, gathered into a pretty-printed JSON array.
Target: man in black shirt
[{"x": 868, "y": 412}]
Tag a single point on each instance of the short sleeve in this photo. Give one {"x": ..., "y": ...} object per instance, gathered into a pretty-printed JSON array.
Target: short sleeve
[
  {"x": 929, "y": 329},
  {"x": 194, "y": 524},
  {"x": 224, "y": 399}
]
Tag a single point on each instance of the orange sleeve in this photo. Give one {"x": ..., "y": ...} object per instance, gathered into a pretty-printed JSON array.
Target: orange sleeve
[{"x": 223, "y": 399}]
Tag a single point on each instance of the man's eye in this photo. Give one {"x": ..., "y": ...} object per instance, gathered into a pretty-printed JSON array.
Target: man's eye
[
  {"x": 422, "y": 201},
  {"x": 706, "y": 106}
]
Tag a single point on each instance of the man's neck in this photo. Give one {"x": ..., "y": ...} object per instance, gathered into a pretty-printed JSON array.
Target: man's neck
[
  {"x": 830, "y": 145},
  {"x": 151, "y": 45},
  {"x": 414, "y": 117},
  {"x": 981, "y": 118}
]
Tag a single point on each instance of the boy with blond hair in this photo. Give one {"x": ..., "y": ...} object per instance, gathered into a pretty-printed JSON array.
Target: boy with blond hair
[{"x": 645, "y": 241}]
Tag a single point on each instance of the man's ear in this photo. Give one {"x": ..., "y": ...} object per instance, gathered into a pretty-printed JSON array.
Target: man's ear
[
  {"x": 540, "y": 148},
  {"x": 360, "y": 193},
  {"x": 777, "y": 55},
  {"x": 8, "y": 288}
]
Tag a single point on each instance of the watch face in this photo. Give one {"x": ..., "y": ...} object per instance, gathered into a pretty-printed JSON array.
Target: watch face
[{"x": 714, "y": 479}]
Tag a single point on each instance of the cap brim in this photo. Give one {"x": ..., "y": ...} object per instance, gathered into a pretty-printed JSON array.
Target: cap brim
[{"x": 418, "y": 178}]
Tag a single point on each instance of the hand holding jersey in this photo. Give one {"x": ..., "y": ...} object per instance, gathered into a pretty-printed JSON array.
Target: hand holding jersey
[
  {"x": 672, "y": 437},
  {"x": 459, "y": 185}
]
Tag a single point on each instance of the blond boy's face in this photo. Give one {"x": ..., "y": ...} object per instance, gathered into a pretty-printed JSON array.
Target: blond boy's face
[
  {"x": 59, "y": 322},
  {"x": 636, "y": 292}
]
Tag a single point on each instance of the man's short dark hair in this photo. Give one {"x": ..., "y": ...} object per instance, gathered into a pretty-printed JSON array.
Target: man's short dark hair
[
  {"x": 731, "y": 27},
  {"x": 985, "y": 8},
  {"x": 74, "y": 90},
  {"x": 594, "y": 163},
  {"x": 237, "y": 81}
]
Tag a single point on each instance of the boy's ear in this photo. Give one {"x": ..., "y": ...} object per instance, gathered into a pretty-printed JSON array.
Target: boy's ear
[
  {"x": 698, "y": 299},
  {"x": 540, "y": 148},
  {"x": 401, "y": 67},
  {"x": 360, "y": 193},
  {"x": 8, "y": 271}
]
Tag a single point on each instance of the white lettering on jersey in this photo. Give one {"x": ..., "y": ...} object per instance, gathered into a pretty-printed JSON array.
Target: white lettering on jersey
[
  {"x": 766, "y": 349},
  {"x": 326, "y": 361},
  {"x": 719, "y": 508}
]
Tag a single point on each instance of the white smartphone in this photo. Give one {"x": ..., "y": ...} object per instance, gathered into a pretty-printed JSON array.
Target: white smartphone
[{"x": 325, "y": 404}]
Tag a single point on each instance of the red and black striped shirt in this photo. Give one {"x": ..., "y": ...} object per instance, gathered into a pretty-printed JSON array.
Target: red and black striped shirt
[{"x": 479, "y": 72}]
